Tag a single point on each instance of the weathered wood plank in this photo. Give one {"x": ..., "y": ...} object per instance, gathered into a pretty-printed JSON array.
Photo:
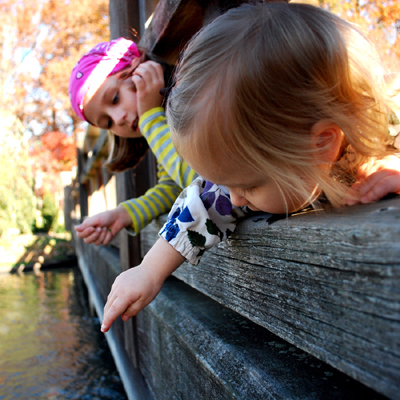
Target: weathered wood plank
[
  {"x": 99, "y": 266},
  {"x": 327, "y": 282},
  {"x": 191, "y": 347},
  {"x": 127, "y": 20},
  {"x": 174, "y": 22}
]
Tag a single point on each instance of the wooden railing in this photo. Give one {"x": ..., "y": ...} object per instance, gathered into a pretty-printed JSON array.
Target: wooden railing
[{"x": 305, "y": 307}]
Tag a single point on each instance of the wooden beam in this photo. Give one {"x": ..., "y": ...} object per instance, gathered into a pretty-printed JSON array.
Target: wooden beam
[
  {"x": 174, "y": 22},
  {"x": 126, "y": 18},
  {"x": 328, "y": 283}
]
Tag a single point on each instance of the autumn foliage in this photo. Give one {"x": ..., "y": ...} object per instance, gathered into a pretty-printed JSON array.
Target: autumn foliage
[
  {"x": 51, "y": 154},
  {"x": 41, "y": 41},
  {"x": 61, "y": 149},
  {"x": 378, "y": 19}
]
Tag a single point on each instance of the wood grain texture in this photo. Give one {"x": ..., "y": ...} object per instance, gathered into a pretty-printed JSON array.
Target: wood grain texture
[
  {"x": 174, "y": 22},
  {"x": 191, "y": 347},
  {"x": 125, "y": 19},
  {"x": 327, "y": 282}
]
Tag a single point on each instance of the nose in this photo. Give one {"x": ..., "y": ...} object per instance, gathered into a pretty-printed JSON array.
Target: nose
[
  {"x": 120, "y": 117},
  {"x": 237, "y": 200}
]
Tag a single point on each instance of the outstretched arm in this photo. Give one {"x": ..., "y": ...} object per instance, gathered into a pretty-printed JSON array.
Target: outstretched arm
[
  {"x": 102, "y": 227},
  {"x": 156, "y": 201},
  {"x": 135, "y": 288},
  {"x": 133, "y": 214}
]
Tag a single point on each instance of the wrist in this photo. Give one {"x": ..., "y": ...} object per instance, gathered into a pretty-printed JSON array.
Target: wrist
[
  {"x": 123, "y": 215},
  {"x": 150, "y": 111},
  {"x": 163, "y": 259}
]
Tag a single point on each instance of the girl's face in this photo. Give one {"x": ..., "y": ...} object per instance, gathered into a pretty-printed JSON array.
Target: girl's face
[
  {"x": 249, "y": 187},
  {"x": 113, "y": 106}
]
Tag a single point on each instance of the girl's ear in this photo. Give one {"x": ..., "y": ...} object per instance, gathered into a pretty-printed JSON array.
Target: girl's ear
[{"x": 327, "y": 139}]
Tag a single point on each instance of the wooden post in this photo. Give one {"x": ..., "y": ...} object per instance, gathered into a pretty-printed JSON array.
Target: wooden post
[
  {"x": 126, "y": 18},
  {"x": 83, "y": 193}
]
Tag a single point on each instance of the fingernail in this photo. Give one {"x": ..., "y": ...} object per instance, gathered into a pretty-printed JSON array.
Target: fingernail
[{"x": 103, "y": 327}]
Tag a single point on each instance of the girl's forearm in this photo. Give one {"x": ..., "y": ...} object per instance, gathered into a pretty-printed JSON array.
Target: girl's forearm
[{"x": 163, "y": 259}]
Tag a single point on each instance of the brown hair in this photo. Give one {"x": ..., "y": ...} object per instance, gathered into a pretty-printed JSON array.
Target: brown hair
[
  {"x": 258, "y": 78},
  {"x": 128, "y": 152}
]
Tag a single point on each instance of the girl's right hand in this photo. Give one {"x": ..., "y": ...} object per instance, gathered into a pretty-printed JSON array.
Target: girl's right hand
[
  {"x": 135, "y": 288},
  {"x": 375, "y": 181},
  {"x": 148, "y": 78},
  {"x": 102, "y": 228}
]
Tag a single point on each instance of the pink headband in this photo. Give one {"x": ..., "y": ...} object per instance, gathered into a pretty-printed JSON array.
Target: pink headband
[{"x": 94, "y": 67}]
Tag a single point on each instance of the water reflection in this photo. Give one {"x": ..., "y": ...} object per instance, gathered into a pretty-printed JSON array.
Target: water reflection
[{"x": 50, "y": 345}]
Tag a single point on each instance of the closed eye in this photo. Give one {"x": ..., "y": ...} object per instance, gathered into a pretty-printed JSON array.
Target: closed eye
[
  {"x": 115, "y": 99},
  {"x": 250, "y": 191}
]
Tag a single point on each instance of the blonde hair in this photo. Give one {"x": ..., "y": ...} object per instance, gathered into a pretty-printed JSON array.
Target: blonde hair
[{"x": 258, "y": 78}]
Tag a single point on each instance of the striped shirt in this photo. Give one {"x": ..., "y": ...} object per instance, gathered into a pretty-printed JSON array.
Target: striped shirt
[{"x": 172, "y": 172}]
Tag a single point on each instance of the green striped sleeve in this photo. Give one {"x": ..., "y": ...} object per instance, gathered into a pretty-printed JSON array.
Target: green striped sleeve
[
  {"x": 156, "y": 201},
  {"x": 155, "y": 129}
]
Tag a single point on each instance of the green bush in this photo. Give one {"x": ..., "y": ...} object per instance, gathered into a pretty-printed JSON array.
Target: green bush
[
  {"x": 17, "y": 203},
  {"x": 49, "y": 212}
]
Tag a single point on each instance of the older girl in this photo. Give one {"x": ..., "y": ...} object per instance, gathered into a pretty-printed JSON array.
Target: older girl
[{"x": 116, "y": 86}]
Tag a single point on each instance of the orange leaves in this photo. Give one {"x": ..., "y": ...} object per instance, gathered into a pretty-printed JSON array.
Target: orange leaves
[{"x": 61, "y": 149}]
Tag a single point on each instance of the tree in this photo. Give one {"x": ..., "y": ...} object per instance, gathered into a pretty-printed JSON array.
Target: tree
[
  {"x": 17, "y": 202},
  {"x": 50, "y": 35},
  {"x": 379, "y": 19},
  {"x": 50, "y": 154}
]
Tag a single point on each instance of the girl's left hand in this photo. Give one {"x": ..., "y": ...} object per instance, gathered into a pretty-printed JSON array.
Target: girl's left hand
[
  {"x": 148, "y": 78},
  {"x": 375, "y": 182}
]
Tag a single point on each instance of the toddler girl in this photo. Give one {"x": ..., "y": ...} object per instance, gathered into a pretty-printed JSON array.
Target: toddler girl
[
  {"x": 289, "y": 111},
  {"x": 117, "y": 87}
]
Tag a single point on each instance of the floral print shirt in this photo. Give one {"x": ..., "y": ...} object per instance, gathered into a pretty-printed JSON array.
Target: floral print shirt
[{"x": 201, "y": 217}]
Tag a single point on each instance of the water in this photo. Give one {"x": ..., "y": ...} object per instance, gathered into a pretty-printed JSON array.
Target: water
[{"x": 50, "y": 345}]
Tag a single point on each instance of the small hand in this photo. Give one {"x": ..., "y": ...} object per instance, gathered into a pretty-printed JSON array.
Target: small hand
[
  {"x": 149, "y": 79},
  {"x": 102, "y": 228},
  {"x": 131, "y": 291},
  {"x": 376, "y": 181},
  {"x": 136, "y": 288}
]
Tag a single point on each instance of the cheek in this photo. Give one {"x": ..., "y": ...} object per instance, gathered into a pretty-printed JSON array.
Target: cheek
[{"x": 271, "y": 200}]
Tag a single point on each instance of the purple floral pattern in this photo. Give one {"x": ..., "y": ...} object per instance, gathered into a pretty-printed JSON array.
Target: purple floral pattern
[{"x": 201, "y": 217}]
